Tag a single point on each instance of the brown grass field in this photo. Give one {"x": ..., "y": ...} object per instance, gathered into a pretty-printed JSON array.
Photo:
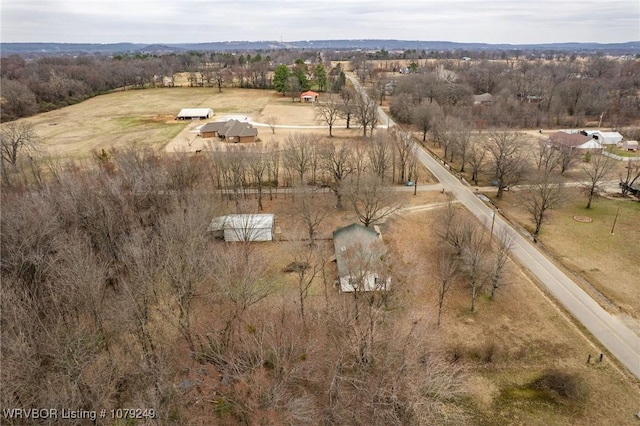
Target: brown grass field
[{"x": 507, "y": 343}]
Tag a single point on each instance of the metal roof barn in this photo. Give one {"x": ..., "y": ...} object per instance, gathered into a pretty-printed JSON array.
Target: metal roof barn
[
  {"x": 194, "y": 113},
  {"x": 243, "y": 227}
]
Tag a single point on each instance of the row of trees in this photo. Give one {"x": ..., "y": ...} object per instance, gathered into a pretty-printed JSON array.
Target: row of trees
[
  {"x": 33, "y": 86},
  {"x": 525, "y": 93}
]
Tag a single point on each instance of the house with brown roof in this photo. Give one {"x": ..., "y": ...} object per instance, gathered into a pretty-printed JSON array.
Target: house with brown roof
[
  {"x": 231, "y": 130},
  {"x": 574, "y": 142}
]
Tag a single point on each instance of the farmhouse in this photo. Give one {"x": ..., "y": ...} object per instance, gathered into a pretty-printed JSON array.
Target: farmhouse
[
  {"x": 309, "y": 96},
  {"x": 243, "y": 227},
  {"x": 194, "y": 114},
  {"x": 232, "y": 130},
  {"x": 574, "y": 142},
  {"x": 360, "y": 255}
]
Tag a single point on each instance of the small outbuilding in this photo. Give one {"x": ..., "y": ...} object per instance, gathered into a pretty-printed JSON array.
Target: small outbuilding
[
  {"x": 605, "y": 138},
  {"x": 360, "y": 257},
  {"x": 309, "y": 96},
  {"x": 243, "y": 227},
  {"x": 483, "y": 99},
  {"x": 195, "y": 114},
  {"x": 630, "y": 145}
]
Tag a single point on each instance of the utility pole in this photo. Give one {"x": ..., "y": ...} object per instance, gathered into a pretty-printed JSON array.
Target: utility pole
[{"x": 615, "y": 219}]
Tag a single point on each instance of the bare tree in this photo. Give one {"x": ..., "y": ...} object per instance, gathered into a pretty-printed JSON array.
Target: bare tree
[
  {"x": 337, "y": 161},
  {"x": 567, "y": 158},
  {"x": 311, "y": 214},
  {"x": 404, "y": 149},
  {"x": 506, "y": 150},
  {"x": 548, "y": 158},
  {"x": 272, "y": 122},
  {"x": 366, "y": 113},
  {"x": 477, "y": 154},
  {"x": 299, "y": 151},
  {"x": 498, "y": 271},
  {"x": 306, "y": 266},
  {"x": 544, "y": 194},
  {"x": 447, "y": 274},
  {"x": 347, "y": 109},
  {"x": 258, "y": 165},
  {"x": 370, "y": 199},
  {"x": 16, "y": 139},
  {"x": 596, "y": 170},
  {"x": 473, "y": 259},
  {"x": 632, "y": 175},
  {"x": 328, "y": 112},
  {"x": 462, "y": 142},
  {"x": 380, "y": 153},
  {"x": 423, "y": 117}
]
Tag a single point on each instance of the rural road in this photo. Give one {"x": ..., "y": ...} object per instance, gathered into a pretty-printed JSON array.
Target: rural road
[{"x": 614, "y": 335}]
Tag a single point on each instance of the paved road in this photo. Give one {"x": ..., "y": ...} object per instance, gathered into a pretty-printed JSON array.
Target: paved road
[
  {"x": 608, "y": 329},
  {"x": 619, "y": 339}
]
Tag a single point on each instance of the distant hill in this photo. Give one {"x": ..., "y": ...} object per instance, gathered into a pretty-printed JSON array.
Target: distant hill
[{"x": 632, "y": 47}]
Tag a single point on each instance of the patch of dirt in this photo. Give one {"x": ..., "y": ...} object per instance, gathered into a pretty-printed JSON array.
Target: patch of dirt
[{"x": 583, "y": 219}]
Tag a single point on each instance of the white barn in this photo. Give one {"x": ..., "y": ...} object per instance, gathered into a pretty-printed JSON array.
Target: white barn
[
  {"x": 243, "y": 227},
  {"x": 605, "y": 138},
  {"x": 195, "y": 114}
]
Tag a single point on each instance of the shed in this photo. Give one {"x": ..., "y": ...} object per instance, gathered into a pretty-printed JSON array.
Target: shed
[
  {"x": 243, "y": 227},
  {"x": 630, "y": 145},
  {"x": 483, "y": 99},
  {"x": 194, "y": 114},
  {"x": 360, "y": 255},
  {"x": 605, "y": 138},
  {"x": 309, "y": 96}
]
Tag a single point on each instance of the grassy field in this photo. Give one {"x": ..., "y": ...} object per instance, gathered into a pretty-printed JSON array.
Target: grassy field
[
  {"x": 508, "y": 344},
  {"x": 144, "y": 117},
  {"x": 608, "y": 262}
]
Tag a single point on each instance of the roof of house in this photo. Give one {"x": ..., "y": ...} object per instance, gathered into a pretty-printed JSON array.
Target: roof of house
[
  {"x": 212, "y": 127},
  {"x": 308, "y": 94},
  {"x": 568, "y": 139},
  {"x": 235, "y": 128},
  {"x": 230, "y": 128},
  {"x": 590, "y": 144},
  {"x": 354, "y": 235},
  {"x": 195, "y": 112}
]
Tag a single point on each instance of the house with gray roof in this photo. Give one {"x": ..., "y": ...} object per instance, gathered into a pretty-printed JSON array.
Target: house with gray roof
[
  {"x": 231, "y": 130},
  {"x": 361, "y": 259}
]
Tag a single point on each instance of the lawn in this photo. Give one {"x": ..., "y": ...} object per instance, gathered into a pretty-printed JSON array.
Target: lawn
[{"x": 609, "y": 262}]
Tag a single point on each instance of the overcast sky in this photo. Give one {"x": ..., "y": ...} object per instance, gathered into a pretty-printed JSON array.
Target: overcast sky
[{"x": 196, "y": 21}]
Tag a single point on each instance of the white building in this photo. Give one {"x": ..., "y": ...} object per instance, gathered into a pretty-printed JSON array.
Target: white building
[{"x": 243, "y": 227}]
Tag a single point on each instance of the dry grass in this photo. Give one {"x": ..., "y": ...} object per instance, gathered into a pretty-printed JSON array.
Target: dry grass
[
  {"x": 510, "y": 342},
  {"x": 608, "y": 262}
]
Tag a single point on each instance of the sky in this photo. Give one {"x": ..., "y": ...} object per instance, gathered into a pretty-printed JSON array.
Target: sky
[{"x": 200, "y": 21}]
